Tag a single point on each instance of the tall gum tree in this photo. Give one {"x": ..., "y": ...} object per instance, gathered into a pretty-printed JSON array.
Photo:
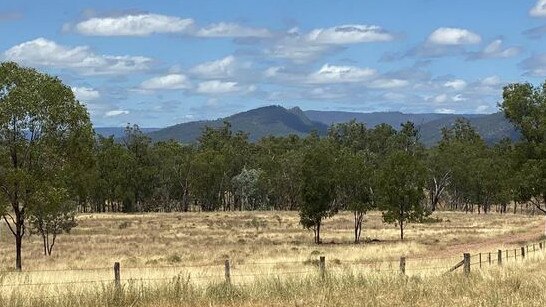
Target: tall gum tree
[
  {"x": 524, "y": 105},
  {"x": 45, "y": 134}
]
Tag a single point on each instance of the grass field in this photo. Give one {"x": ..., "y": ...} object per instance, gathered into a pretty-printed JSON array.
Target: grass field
[{"x": 274, "y": 261}]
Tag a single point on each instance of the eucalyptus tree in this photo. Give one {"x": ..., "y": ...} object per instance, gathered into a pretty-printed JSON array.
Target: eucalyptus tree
[
  {"x": 524, "y": 105},
  {"x": 318, "y": 185},
  {"x": 44, "y": 132},
  {"x": 401, "y": 189}
]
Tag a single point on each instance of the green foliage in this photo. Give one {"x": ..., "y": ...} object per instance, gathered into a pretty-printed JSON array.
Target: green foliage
[
  {"x": 401, "y": 184},
  {"x": 318, "y": 187},
  {"x": 45, "y": 142}
]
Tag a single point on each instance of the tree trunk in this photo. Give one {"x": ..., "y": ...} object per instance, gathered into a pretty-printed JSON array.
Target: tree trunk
[
  {"x": 401, "y": 230},
  {"x": 317, "y": 233},
  {"x": 18, "y": 245}
]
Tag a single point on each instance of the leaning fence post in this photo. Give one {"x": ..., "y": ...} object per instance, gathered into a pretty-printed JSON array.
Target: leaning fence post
[
  {"x": 522, "y": 253},
  {"x": 499, "y": 257},
  {"x": 466, "y": 263},
  {"x": 322, "y": 266},
  {"x": 227, "y": 271},
  {"x": 403, "y": 265},
  {"x": 117, "y": 279}
]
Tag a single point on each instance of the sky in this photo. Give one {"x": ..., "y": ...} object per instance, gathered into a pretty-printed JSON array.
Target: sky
[{"x": 159, "y": 63}]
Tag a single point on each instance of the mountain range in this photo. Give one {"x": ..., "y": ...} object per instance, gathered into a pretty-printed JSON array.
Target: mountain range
[{"x": 279, "y": 121}]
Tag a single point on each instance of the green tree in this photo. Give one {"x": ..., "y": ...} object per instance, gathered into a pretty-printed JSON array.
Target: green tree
[
  {"x": 355, "y": 185},
  {"x": 401, "y": 189},
  {"x": 524, "y": 105},
  {"x": 44, "y": 131},
  {"x": 318, "y": 186},
  {"x": 53, "y": 214}
]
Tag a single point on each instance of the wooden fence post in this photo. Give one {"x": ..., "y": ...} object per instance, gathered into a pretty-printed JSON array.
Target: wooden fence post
[
  {"x": 506, "y": 255},
  {"x": 489, "y": 258},
  {"x": 227, "y": 271},
  {"x": 534, "y": 248},
  {"x": 322, "y": 266},
  {"x": 515, "y": 253},
  {"x": 540, "y": 245},
  {"x": 403, "y": 265},
  {"x": 117, "y": 277},
  {"x": 480, "y": 260},
  {"x": 466, "y": 265},
  {"x": 499, "y": 257},
  {"x": 522, "y": 253}
]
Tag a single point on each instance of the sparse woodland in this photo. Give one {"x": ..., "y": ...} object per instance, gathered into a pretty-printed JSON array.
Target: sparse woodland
[{"x": 52, "y": 166}]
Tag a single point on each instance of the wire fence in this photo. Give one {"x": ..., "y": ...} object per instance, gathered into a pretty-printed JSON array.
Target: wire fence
[{"x": 232, "y": 272}]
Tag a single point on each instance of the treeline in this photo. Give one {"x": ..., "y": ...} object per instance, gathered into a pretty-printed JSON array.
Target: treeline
[{"x": 224, "y": 171}]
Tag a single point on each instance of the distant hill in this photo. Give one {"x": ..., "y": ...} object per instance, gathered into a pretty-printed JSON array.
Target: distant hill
[
  {"x": 260, "y": 122},
  {"x": 278, "y": 121},
  {"x": 492, "y": 128},
  {"x": 118, "y": 132}
]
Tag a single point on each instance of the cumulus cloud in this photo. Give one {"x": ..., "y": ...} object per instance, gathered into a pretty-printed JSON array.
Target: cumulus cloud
[
  {"x": 224, "y": 29},
  {"x": 457, "y": 84},
  {"x": 495, "y": 50},
  {"x": 114, "y": 113},
  {"x": 340, "y": 74},
  {"x": 217, "y": 87},
  {"x": 85, "y": 93},
  {"x": 445, "y": 111},
  {"x": 349, "y": 34},
  {"x": 218, "y": 69},
  {"x": 167, "y": 82},
  {"x": 43, "y": 52},
  {"x": 305, "y": 47},
  {"x": 133, "y": 25},
  {"x": 453, "y": 36},
  {"x": 388, "y": 83},
  {"x": 539, "y": 10},
  {"x": 535, "y": 65}
]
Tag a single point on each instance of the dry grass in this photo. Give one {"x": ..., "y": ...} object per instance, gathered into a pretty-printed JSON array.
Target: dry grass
[{"x": 269, "y": 252}]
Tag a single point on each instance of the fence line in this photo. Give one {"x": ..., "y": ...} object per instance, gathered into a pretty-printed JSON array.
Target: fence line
[{"x": 468, "y": 261}]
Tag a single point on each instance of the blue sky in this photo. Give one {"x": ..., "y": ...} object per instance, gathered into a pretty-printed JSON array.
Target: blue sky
[{"x": 158, "y": 63}]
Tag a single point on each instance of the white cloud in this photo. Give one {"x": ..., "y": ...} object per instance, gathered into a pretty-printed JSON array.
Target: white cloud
[
  {"x": 340, "y": 74},
  {"x": 133, "y": 25},
  {"x": 349, "y": 34},
  {"x": 306, "y": 47},
  {"x": 167, "y": 82},
  {"x": 456, "y": 84},
  {"x": 222, "y": 68},
  {"x": 224, "y": 29},
  {"x": 495, "y": 49},
  {"x": 445, "y": 111},
  {"x": 453, "y": 36},
  {"x": 114, "y": 113},
  {"x": 491, "y": 81},
  {"x": 458, "y": 98},
  {"x": 388, "y": 83},
  {"x": 482, "y": 108},
  {"x": 441, "y": 98},
  {"x": 217, "y": 87},
  {"x": 539, "y": 10},
  {"x": 43, "y": 52},
  {"x": 85, "y": 93}
]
